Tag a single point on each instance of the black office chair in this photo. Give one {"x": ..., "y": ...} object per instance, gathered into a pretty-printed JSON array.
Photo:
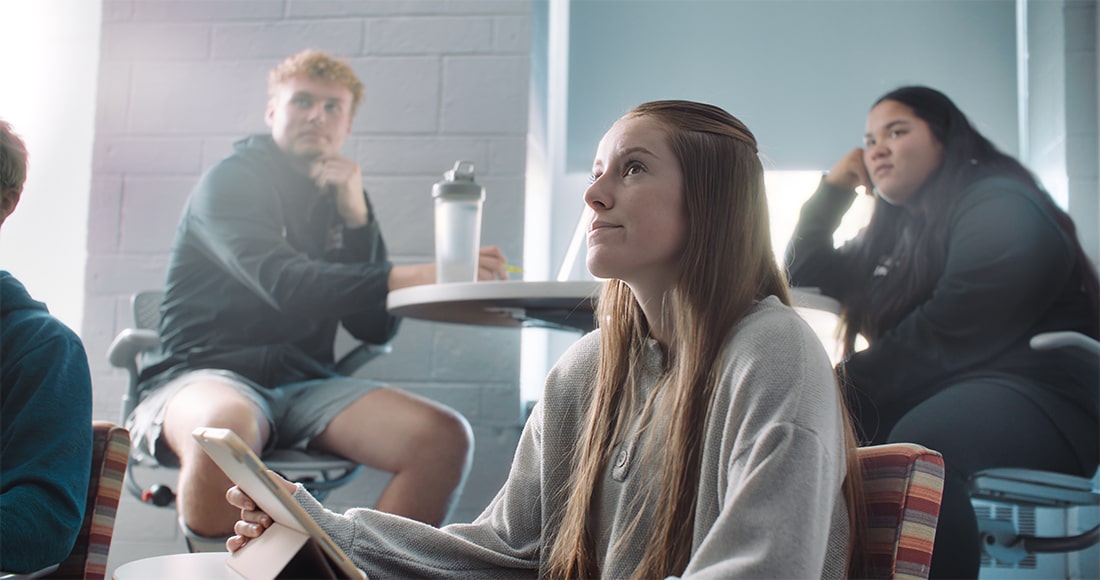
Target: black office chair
[
  {"x": 1028, "y": 488},
  {"x": 320, "y": 473}
]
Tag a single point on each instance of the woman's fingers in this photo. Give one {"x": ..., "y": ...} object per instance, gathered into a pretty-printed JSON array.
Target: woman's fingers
[
  {"x": 235, "y": 543},
  {"x": 250, "y": 514},
  {"x": 850, "y": 171},
  {"x": 251, "y": 525},
  {"x": 239, "y": 499},
  {"x": 253, "y": 521},
  {"x": 247, "y": 529}
]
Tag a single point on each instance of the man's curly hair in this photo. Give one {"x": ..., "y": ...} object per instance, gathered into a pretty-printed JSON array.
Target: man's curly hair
[{"x": 317, "y": 65}]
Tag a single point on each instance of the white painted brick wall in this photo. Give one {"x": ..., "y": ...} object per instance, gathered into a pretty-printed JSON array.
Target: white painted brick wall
[
  {"x": 181, "y": 80},
  {"x": 199, "y": 10},
  {"x": 147, "y": 156},
  {"x": 154, "y": 41},
  {"x": 478, "y": 96},
  {"x": 450, "y": 35},
  {"x": 343, "y": 37},
  {"x": 401, "y": 97}
]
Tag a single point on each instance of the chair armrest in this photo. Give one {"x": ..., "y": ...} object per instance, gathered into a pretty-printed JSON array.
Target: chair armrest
[
  {"x": 361, "y": 355},
  {"x": 125, "y": 347},
  {"x": 1032, "y": 487},
  {"x": 1080, "y": 343}
]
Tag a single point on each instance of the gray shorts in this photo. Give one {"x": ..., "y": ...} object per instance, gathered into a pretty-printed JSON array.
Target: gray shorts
[{"x": 296, "y": 412}]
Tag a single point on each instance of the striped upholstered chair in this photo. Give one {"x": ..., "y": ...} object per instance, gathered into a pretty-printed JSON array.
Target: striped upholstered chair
[
  {"x": 903, "y": 486},
  {"x": 110, "y": 453}
]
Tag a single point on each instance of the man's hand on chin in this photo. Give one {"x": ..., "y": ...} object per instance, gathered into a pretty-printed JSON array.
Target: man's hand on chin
[{"x": 342, "y": 177}]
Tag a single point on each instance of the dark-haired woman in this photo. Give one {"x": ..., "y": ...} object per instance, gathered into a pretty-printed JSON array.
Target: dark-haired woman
[{"x": 964, "y": 260}]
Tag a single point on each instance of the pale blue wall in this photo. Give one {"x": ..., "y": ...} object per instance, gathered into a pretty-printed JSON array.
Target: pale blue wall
[{"x": 801, "y": 73}]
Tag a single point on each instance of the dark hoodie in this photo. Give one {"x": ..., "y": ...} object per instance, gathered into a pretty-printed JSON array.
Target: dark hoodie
[
  {"x": 262, "y": 271},
  {"x": 45, "y": 432},
  {"x": 1010, "y": 273}
]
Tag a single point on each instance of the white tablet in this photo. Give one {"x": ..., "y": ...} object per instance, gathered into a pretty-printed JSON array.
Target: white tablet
[{"x": 268, "y": 555}]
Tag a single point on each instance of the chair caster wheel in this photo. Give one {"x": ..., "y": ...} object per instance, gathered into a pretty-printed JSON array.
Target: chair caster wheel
[{"x": 158, "y": 495}]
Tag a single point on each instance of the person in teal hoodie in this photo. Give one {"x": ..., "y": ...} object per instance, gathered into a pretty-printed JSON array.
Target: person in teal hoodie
[{"x": 45, "y": 411}]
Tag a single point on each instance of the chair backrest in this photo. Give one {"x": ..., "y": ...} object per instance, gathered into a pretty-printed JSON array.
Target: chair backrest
[
  {"x": 146, "y": 307},
  {"x": 110, "y": 453},
  {"x": 903, "y": 487}
]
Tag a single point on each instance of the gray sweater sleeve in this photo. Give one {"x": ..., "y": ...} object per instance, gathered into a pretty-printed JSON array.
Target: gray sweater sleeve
[
  {"x": 777, "y": 512},
  {"x": 777, "y": 445},
  {"x": 503, "y": 542}
]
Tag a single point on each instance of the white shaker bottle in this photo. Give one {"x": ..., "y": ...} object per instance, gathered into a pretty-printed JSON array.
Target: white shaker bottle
[{"x": 458, "y": 202}]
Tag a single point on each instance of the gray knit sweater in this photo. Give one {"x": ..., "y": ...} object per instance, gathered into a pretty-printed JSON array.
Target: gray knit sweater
[{"x": 770, "y": 503}]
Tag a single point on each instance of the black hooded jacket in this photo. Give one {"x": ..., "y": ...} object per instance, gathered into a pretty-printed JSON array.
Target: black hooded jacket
[{"x": 263, "y": 270}]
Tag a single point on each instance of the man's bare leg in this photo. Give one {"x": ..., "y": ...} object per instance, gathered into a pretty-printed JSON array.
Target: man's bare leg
[
  {"x": 426, "y": 446},
  {"x": 200, "y": 496}
]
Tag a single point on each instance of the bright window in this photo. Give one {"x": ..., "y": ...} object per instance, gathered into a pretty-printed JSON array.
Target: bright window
[
  {"x": 787, "y": 191},
  {"x": 50, "y": 57}
]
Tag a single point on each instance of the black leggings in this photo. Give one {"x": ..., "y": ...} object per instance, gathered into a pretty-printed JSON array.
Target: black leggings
[{"x": 978, "y": 424}]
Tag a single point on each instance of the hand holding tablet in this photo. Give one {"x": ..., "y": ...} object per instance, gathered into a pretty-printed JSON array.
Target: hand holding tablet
[{"x": 294, "y": 544}]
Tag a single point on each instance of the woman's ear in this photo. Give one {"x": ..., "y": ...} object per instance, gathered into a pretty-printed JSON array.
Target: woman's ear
[{"x": 9, "y": 198}]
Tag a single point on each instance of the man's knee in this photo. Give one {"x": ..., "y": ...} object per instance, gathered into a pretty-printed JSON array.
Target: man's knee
[
  {"x": 393, "y": 430},
  {"x": 455, "y": 429},
  {"x": 213, "y": 404},
  {"x": 442, "y": 433}
]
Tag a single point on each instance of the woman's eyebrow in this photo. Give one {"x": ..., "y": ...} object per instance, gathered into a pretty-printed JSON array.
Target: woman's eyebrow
[
  {"x": 636, "y": 149},
  {"x": 624, "y": 153},
  {"x": 888, "y": 126}
]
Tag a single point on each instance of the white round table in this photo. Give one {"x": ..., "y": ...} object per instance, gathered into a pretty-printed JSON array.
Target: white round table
[
  {"x": 207, "y": 565},
  {"x": 567, "y": 305},
  {"x": 510, "y": 303}
]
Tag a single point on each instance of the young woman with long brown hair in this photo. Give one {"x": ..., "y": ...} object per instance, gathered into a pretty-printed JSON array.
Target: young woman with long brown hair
[{"x": 698, "y": 431}]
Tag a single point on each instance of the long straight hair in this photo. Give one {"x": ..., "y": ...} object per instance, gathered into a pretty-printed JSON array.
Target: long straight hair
[
  {"x": 915, "y": 242},
  {"x": 727, "y": 264}
]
